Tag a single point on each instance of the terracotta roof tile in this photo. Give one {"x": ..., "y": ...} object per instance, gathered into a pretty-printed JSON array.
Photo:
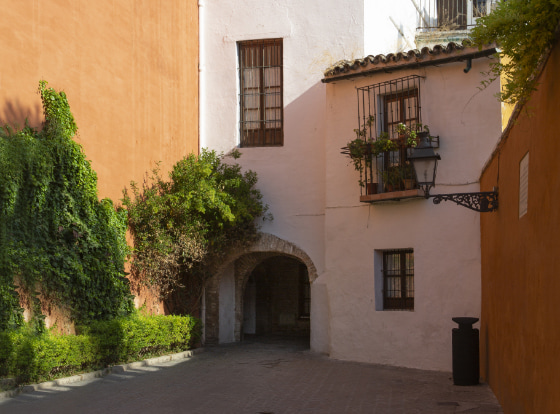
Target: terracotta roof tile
[{"x": 438, "y": 54}]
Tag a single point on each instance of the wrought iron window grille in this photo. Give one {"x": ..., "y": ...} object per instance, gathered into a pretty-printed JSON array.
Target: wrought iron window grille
[
  {"x": 398, "y": 279},
  {"x": 384, "y": 109}
]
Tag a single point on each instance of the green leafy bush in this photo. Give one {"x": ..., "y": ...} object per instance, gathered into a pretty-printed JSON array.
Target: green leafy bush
[
  {"x": 183, "y": 227},
  {"x": 31, "y": 357},
  {"x": 523, "y": 29},
  {"x": 133, "y": 338},
  {"x": 56, "y": 237}
]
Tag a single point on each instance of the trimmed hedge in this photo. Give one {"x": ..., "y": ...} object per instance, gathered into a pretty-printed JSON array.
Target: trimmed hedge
[{"x": 29, "y": 357}]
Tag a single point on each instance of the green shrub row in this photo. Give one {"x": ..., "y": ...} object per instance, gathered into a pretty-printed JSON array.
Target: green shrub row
[{"x": 30, "y": 358}]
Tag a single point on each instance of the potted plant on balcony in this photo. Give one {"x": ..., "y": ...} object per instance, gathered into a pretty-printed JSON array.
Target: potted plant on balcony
[
  {"x": 383, "y": 144},
  {"x": 358, "y": 148},
  {"x": 360, "y": 151},
  {"x": 409, "y": 136},
  {"x": 392, "y": 178},
  {"x": 407, "y": 174}
]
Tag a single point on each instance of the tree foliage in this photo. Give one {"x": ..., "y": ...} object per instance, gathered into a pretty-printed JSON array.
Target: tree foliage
[
  {"x": 184, "y": 226},
  {"x": 523, "y": 29},
  {"x": 56, "y": 237}
]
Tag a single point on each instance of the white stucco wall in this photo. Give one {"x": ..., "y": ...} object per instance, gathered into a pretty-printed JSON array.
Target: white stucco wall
[
  {"x": 445, "y": 237},
  {"x": 315, "y": 34},
  {"x": 389, "y": 26},
  {"x": 313, "y": 192}
]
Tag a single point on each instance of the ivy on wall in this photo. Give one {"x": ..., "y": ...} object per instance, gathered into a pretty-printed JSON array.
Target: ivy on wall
[
  {"x": 523, "y": 29},
  {"x": 184, "y": 227},
  {"x": 56, "y": 237}
]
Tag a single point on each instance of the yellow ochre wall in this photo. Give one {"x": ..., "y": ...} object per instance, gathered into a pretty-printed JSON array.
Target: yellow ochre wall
[
  {"x": 507, "y": 109},
  {"x": 520, "y": 319},
  {"x": 128, "y": 67}
]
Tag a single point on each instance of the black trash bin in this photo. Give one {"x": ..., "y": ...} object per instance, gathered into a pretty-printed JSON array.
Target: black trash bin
[{"x": 465, "y": 352}]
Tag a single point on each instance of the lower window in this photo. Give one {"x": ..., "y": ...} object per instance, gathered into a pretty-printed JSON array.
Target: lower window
[{"x": 398, "y": 279}]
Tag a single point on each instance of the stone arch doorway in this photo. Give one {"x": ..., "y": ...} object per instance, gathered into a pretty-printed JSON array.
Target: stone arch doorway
[
  {"x": 246, "y": 295},
  {"x": 277, "y": 299}
]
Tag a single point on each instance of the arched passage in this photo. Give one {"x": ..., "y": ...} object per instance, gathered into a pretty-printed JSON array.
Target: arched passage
[
  {"x": 277, "y": 298},
  {"x": 262, "y": 264}
]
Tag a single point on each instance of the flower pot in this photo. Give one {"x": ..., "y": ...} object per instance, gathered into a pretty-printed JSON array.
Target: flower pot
[
  {"x": 408, "y": 183},
  {"x": 371, "y": 188}
]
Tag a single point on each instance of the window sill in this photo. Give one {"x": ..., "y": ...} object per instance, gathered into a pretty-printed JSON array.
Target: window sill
[
  {"x": 397, "y": 310},
  {"x": 392, "y": 196}
]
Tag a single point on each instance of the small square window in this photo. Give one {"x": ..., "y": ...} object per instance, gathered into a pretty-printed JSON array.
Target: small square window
[{"x": 398, "y": 279}]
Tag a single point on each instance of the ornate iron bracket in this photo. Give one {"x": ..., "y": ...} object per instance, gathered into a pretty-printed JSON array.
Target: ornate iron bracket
[{"x": 482, "y": 202}]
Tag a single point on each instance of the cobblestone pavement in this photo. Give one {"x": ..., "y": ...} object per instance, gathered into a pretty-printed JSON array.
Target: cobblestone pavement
[{"x": 257, "y": 377}]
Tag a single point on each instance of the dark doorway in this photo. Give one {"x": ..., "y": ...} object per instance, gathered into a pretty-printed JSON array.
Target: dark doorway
[{"x": 277, "y": 300}]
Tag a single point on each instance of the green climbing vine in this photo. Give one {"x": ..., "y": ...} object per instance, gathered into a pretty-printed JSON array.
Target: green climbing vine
[
  {"x": 183, "y": 227},
  {"x": 56, "y": 237},
  {"x": 523, "y": 29}
]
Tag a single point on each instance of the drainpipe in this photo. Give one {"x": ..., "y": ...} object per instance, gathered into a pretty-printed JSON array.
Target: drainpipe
[
  {"x": 469, "y": 66},
  {"x": 201, "y": 124},
  {"x": 201, "y": 75}
]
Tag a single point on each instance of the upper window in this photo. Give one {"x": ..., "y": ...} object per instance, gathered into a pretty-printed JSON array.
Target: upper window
[
  {"x": 261, "y": 91},
  {"x": 451, "y": 15},
  {"x": 400, "y": 107},
  {"x": 398, "y": 279}
]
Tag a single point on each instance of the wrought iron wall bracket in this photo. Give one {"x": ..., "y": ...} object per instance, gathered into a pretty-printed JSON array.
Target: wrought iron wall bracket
[{"x": 483, "y": 202}]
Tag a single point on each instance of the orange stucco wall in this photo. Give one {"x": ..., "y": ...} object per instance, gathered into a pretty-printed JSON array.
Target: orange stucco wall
[
  {"x": 128, "y": 67},
  {"x": 520, "y": 323}
]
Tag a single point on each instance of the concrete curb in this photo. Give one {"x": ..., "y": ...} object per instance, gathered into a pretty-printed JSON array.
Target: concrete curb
[{"x": 115, "y": 369}]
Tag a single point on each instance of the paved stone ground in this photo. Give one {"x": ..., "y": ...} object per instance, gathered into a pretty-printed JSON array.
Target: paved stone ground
[{"x": 258, "y": 377}]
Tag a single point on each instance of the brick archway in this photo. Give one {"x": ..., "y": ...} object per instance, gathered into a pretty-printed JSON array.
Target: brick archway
[{"x": 244, "y": 262}]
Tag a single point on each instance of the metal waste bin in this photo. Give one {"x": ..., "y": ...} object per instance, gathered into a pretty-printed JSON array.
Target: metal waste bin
[{"x": 465, "y": 352}]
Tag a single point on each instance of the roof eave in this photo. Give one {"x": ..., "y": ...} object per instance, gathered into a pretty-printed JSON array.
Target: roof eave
[{"x": 416, "y": 64}]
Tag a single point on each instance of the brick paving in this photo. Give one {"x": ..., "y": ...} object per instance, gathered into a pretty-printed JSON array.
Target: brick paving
[{"x": 260, "y": 377}]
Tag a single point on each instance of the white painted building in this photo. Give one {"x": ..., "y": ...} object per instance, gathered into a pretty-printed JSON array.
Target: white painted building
[{"x": 257, "y": 54}]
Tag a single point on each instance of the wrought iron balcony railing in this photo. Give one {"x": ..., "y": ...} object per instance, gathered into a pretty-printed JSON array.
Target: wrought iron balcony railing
[
  {"x": 389, "y": 126},
  {"x": 450, "y": 15},
  {"x": 387, "y": 113}
]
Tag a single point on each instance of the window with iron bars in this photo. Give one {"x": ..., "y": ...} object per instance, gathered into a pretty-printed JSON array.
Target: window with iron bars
[
  {"x": 261, "y": 91},
  {"x": 384, "y": 109},
  {"x": 398, "y": 279},
  {"x": 449, "y": 15}
]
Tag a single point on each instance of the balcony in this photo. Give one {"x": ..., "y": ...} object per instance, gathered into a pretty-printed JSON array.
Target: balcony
[
  {"x": 390, "y": 125},
  {"x": 384, "y": 174},
  {"x": 444, "y": 21}
]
